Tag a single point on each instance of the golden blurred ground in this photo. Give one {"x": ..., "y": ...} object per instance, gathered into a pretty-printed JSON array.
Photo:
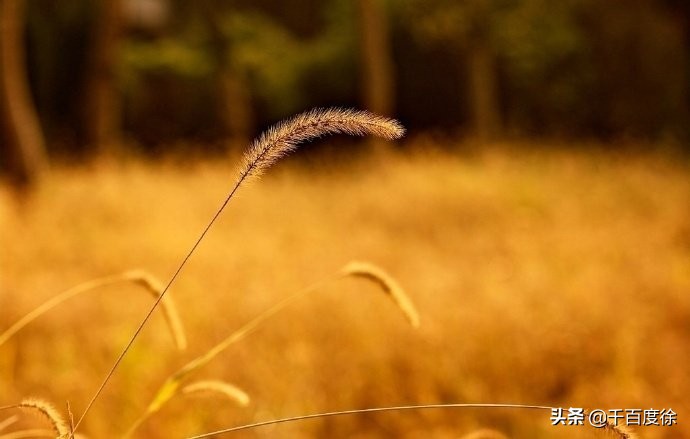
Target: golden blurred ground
[{"x": 544, "y": 276}]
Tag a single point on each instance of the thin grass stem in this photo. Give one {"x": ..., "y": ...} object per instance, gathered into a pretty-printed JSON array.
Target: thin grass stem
[
  {"x": 275, "y": 143},
  {"x": 171, "y": 385},
  {"x": 364, "y": 411}
]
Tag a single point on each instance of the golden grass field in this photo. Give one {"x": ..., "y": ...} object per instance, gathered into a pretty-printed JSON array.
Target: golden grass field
[{"x": 542, "y": 275}]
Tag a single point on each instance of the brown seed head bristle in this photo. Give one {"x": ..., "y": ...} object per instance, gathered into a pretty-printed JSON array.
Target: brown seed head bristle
[
  {"x": 284, "y": 137},
  {"x": 616, "y": 431},
  {"x": 46, "y": 411}
]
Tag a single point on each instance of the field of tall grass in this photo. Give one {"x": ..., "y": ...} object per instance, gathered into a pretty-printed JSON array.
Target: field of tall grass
[{"x": 543, "y": 275}]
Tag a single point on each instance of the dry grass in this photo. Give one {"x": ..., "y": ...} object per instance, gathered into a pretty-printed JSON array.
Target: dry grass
[
  {"x": 140, "y": 277},
  {"x": 171, "y": 385},
  {"x": 274, "y": 144},
  {"x": 156, "y": 287},
  {"x": 228, "y": 390},
  {"x": 389, "y": 285},
  {"x": 47, "y": 412},
  {"x": 285, "y": 137},
  {"x": 549, "y": 277}
]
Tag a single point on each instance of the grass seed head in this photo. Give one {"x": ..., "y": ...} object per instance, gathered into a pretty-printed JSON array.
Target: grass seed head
[
  {"x": 619, "y": 431},
  {"x": 219, "y": 387},
  {"x": 286, "y": 136},
  {"x": 389, "y": 285},
  {"x": 172, "y": 317},
  {"x": 48, "y": 412}
]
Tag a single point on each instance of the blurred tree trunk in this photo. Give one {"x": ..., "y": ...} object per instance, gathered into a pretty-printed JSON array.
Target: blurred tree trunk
[
  {"x": 102, "y": 102},
  {"x": 236, "y": 115},
  {"x": 681, "y": 10},
  {"x": 25, "y": 147},
  {"x": 376, "y": 61},
  {"x": 376, "y": 58},
  {"x": 237, "y": 118},
  {"x": 483, "y": 83}
]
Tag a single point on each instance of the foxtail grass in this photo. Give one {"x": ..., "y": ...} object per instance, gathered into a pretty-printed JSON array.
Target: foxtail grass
[
  {"x": 206, "y": 387},
  {"x": 138, "y": 277},
  {"x": 389, "y": 285},
  {"x": 47, "y": 412},
  {"x": 616, "y": 431},
  {"x": 274, "y": 144},
  {"x": 285, "y": 137},
  {"x": 154, "y": 286},
  {"x": 620, "y": 431},
  {"x": 172, "y": 384}
]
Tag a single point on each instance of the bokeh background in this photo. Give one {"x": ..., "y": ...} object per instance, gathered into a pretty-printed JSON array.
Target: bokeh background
[{"x": 538, "y": 211}]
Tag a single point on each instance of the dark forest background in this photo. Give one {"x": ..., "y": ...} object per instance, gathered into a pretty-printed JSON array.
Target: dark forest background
[{"x": 84, "y": 78}]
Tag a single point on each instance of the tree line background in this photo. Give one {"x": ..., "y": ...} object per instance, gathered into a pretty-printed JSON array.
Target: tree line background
[{"x": 84, "y": 78}]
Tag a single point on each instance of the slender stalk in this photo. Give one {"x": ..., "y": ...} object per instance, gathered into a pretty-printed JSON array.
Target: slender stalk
[
  {"x": 369, "y": 410},
  {"x": 54, "y": 301},
  {"x": 275, "y": 143},
  {"x": 172, "y": 384},
  {"x": 153, "y": 308},
  {"x": 353, "y": 269},
  {"x": 136, "y": 276}
]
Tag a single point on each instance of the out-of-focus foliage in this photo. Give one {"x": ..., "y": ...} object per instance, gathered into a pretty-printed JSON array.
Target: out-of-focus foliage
[
  {"x": 450, "y": 22},
  {"x": 544, "y": 51},
  {"x": 579, "y": 68},
  {"x": 638, "y": 56},
  {"x": 269, "y": 54},
  {"x": 278, "y": 62},
  {"x": 176, "y": 56},
  {"x": 575, "y": 66},
  {"x": 275, "y": 63}
]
